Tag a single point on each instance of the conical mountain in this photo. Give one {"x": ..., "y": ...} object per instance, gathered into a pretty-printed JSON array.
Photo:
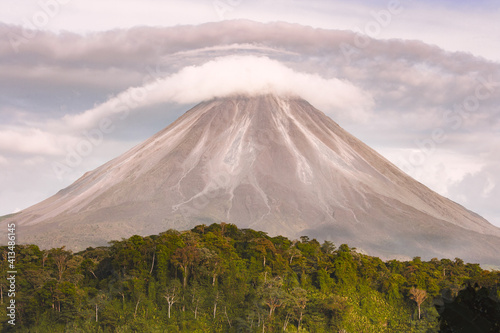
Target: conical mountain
[{"x": 269, "y": 163}]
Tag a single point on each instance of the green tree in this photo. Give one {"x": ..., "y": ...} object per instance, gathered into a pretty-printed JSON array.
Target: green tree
[{"x": 185, "y": 258}]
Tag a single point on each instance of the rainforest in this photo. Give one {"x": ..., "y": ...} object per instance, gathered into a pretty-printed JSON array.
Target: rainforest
[{"x": 220, "y": 278}]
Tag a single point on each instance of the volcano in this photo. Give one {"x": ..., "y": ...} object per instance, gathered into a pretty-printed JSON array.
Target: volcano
[{"x": 265, "y": 162}]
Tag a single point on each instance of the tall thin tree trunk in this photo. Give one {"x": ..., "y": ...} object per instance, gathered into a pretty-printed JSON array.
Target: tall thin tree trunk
[
  {"x": 215, "y": 303},
  {"x": 227, "y": 317},
  {"x": 44, "y": 258},
  {"x": 184, "y": 284},
  {"x": 123, "y": 300},
  {"x": 96, "y": 317},
  {"x": 153, "y": 263},
  {"x": 136, "y": 306},
  {"x": 287, "y": 320}
]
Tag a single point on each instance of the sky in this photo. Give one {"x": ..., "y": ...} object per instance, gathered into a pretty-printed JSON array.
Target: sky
[{"x": 83, "y": 81}]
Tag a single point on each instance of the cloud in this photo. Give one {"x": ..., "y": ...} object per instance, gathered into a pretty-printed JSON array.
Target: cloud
[
  {"x": 30, "y": 141},
  {"x": 232, "y": 75},
  {"x": 480, "y": 190},
  {"x": 260, "y": 75},
  {"x": 440, "y": 169},
  {"x": 444, "y": 21}
]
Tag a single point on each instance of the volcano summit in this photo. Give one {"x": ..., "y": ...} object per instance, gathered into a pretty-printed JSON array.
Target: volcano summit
[{"x": 269, "y": 163}]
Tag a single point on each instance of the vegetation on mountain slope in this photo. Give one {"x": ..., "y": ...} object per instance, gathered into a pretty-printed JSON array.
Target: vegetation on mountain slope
[{"x": 219, "y": 278}]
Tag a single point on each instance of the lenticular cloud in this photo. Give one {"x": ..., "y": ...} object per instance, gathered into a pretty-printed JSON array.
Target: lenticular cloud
[{"x": 232, "y": 75}]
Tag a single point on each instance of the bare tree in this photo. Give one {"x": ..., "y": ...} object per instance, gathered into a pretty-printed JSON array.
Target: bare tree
[
  {"x": 272, "y": 294},
  {"x": 60, "y": 257},
  {"x": 293, "y": 252},
  {"x": 419, "y": 296},
  {"x": 172, "y": 297}
]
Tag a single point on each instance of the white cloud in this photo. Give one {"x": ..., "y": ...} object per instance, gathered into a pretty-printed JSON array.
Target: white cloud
[
  {"x": 439, "y": 169},
  {"x": 231, "y": 75},
  {"x": 457, "y": 27},
  {"x": 30, "y": 141},
  {"x": 479, "y": 191},
  {"x": 487, "y": 191}
]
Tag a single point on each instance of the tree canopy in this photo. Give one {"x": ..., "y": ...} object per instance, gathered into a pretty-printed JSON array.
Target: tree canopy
[{"x": 219, "y": 278}]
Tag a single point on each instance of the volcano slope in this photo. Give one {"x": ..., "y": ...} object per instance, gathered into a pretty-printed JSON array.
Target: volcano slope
[{"x": 265, "y": 162}]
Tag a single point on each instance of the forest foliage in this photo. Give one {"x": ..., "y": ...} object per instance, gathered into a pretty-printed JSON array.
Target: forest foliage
[{"x": 219, "y": 278}]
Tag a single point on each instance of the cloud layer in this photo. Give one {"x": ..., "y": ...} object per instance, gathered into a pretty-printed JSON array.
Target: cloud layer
[{"x": 232, "y": 75}]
